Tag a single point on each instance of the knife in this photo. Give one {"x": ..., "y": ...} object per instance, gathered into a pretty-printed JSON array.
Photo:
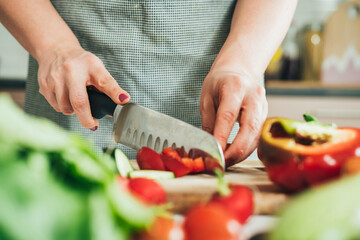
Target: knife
[{"x": 136, "y": 126}]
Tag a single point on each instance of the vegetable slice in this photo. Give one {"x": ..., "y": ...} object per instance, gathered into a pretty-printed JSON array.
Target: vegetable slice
[
  {"x": 123, "y": 163},
  {"x": 152, "y": 174}
]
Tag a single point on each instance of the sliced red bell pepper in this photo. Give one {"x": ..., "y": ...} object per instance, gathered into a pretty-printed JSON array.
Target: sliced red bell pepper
[
  {"x": 300, "y": 154},
  {"x": 198, "y": 165},
  {"x": 188, "y": 162},
  {"x": 149, "y": 159},
  {"x": 171, "y": 153},
  {"x": 174, "y": 165},
  {"x": 181, "y": 151}
]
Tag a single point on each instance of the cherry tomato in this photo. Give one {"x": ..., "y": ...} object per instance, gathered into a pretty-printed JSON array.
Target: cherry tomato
[
  {"x": 148, "y": 190},
  {"x": 210, "y": 222},
  {"x": 163, "y": 228},
  {"x": 239, "y": 203}
]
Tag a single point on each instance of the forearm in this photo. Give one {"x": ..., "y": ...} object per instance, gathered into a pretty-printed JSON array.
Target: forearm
[
  {"x": 36, "y": 25},
  {"x": 258, "y": 28}
]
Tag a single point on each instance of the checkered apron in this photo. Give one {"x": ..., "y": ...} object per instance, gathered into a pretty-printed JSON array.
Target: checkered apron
[{"x": 158, "y": 50}]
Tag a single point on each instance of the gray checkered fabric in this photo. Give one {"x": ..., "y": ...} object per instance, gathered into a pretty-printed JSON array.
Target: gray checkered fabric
[{"x": 159, "y": 51}]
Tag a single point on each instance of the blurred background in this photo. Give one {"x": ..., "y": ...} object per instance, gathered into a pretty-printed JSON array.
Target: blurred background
[{"x": 316, "y": 69}]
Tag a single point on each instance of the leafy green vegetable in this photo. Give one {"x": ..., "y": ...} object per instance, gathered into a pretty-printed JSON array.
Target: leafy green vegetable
[{"x": 53, "y": 186}]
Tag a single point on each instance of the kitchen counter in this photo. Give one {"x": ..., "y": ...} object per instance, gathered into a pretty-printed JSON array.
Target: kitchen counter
[
  {"x": 307, "y": 88},
  {"x": 16, "y": 89}
]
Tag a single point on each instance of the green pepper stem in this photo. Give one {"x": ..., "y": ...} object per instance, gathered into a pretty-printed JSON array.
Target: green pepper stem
[
  {"x": 309, "y": 118},
  {"x": 222, "y": 185}
]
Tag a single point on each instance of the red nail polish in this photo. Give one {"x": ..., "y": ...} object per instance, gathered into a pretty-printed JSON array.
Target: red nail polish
[
  {"x": 123, "y": 97},
  {"x": 94, "y": 128}
]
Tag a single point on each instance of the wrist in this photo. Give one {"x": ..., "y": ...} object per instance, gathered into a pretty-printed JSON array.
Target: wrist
[
  {"x": 44, "y": 50},
  {"x": 234, "y": 58}
]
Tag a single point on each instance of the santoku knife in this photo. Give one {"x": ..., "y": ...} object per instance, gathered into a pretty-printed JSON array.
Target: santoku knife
[{"x": 136, "y": 126}]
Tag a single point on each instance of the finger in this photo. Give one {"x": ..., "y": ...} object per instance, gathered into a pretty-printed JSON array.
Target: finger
[
  {"x": 226, "y": 116},
  {"x": 49, "y": 95},
  {"x": 51, "y": 99},
  {"x": 80, "y": 102},
  {"x": 245, "y": 142},
  {"x": 105, "y": 83},
  {"x": 208, "y": 114},
  {"x": 63, "y": 100}
]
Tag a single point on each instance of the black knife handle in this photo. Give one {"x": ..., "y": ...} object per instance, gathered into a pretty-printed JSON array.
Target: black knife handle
[{"x": 100, "y": 104}]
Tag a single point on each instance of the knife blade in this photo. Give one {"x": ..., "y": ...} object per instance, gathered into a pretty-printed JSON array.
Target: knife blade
[{"x": 136, "y": 126}]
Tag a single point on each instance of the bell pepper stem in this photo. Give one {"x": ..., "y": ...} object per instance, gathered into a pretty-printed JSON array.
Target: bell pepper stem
[
  {"x": 309, "y": 118},
  {"x": 222, "y": 185}
]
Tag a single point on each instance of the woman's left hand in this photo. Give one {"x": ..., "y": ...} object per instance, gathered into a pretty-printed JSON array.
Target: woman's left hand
[{"x": 227, "y": 97}]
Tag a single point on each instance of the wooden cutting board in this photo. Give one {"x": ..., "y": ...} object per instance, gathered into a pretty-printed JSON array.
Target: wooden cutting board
[{"x": 188, "y": 190}]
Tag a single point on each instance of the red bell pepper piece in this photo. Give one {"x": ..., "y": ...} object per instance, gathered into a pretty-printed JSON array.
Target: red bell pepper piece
[
  {"x": 352, "y": 166},
  {"x": 174, "y": 165},
  {"x": 181, "y": 151},
  {"x": 188, "y": 162},
  {"x": 149, "y": 159},
  {"x": 300, "y": 154},
  {"x": 171, "y": 153},
  {"x": 198, "y": 165}
]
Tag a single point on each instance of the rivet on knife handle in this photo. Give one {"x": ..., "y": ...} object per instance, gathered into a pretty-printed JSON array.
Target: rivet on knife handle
[{"x": 100, "y": 104}]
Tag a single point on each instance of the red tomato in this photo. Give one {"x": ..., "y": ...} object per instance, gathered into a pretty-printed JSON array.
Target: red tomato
[
  {"x": 163, "y": 229},
  {"x": 239, "y": 203},
  {"x": 148, "y": 190},
  {"x": 123, "y": 182},
  {"x": 210, "y": 222},
  {"x": 149, "y": 159}
]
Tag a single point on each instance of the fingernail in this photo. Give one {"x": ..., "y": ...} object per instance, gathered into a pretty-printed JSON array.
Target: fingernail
[
  {"x": 94, "y": 128},
  {"x": 122, "y": 97}
]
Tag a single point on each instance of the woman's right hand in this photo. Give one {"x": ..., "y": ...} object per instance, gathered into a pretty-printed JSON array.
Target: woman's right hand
[{"x": 65, "y": 72}]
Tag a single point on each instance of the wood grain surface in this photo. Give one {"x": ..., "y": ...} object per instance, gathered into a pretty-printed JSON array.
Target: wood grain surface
[{"x": 189, "y": 190}]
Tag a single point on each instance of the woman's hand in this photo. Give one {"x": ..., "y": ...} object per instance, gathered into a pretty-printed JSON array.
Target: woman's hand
[
  {"x": 63, "y": 76},
  {"x": 227, "y": 97},
  {"x": 231, "y": 91}
]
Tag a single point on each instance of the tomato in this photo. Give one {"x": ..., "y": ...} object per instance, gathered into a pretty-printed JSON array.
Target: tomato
[
  {"x": 210, "y": 222},
  {"x": 239, "y": 203},
  {"x": 123, "y": 182},
  {"x": 147, "y": 190},
  {"x": 163, "y": 228}
]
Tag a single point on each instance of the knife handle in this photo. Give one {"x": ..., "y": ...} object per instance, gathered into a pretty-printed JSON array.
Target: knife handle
[{"x": 100, "y": 104}]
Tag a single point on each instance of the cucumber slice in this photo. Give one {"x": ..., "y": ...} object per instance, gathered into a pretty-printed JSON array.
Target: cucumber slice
[
  {"x": 123, "y": 163},
  {"x": 152, "y": 174}
]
